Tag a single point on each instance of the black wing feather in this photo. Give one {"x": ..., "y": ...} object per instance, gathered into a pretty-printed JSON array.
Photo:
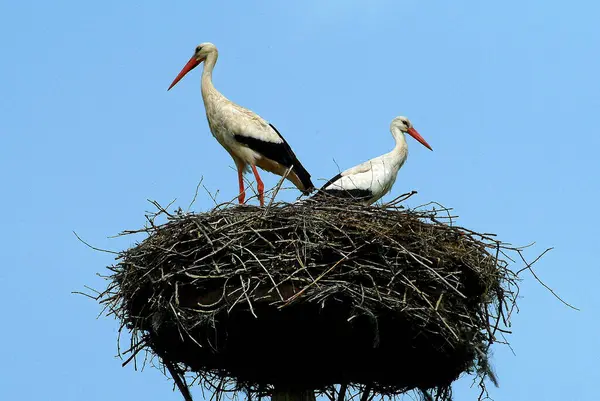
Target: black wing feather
[
  {"x": 357, "y": 194},
  {"x": 331, "y": 181},
  {"x": 282, "y": 153}
]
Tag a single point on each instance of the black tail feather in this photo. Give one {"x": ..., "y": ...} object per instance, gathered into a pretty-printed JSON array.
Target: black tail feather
[
  {"x": 304, "y": 177},
  {"x": 298, "y": 168}
]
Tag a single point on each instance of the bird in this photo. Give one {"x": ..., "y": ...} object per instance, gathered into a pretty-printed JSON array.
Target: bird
[
  {"x": 368, "y": 182},
  {"x": 250, "y": 140}
]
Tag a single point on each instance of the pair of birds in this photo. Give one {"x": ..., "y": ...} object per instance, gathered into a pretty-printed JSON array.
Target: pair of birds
[{"x": 251, "y": 141}]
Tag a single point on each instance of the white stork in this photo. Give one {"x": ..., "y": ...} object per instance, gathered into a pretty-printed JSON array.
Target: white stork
[
  {"x": 249, "y": 139},
  {"x": 371, "y": 180}
]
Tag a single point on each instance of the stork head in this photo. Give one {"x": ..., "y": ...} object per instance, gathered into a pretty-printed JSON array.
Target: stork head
[
  {"x": 202, "y": 51},
  {"x": 404, "y": 125}
]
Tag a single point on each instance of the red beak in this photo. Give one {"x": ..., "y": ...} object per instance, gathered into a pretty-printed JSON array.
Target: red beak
[
  {"x": 193, "y": 63},
  {"x": 413, "y": 132}
]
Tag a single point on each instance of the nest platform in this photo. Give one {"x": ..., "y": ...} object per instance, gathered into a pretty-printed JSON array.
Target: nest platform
[{"x": 309, "y": 295}]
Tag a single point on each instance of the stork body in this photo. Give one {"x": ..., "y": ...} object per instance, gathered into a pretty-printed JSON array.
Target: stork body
[
  {"x": 250, "y": 140},
  {"x": 370, "y": 181}
]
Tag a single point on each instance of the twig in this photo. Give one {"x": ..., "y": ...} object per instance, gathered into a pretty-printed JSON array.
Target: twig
[
  {"x": 195, "y": 194},
  {"x": 342, "y": 392},
  {"x": 315, "y": 281},
  {"x": 266, "y": 271},
  {"x": 276, "y": 191},
  {"x": 528, "y": 267},
  {"x": 93, "y": 247},
  {"x": 366, "y": 393},
  {"x": 179, "y": 380}
]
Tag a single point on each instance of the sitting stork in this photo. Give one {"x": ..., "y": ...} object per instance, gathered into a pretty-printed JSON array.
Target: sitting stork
[
  {"x": 249, "y": 139},
  {"x": 371, "y": 180}
]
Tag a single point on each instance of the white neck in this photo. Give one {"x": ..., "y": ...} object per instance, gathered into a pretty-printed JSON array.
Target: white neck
[
  {"x": 400, "y": 139},
  {"x": 398, "y": 155},
  {"x": 209, "y": 65}
]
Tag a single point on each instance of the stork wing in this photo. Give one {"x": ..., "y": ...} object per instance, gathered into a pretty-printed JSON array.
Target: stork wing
[
  {"x": 349, "y": 176},
  {"x": 262, "y": 137},
  {"x": 250, "y": 124}
]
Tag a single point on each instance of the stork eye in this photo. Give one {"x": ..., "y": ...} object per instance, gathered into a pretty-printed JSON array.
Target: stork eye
[{"x": 198, "y": 49}]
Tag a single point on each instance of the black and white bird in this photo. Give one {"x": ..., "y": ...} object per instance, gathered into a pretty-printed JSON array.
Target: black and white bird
[
  {"x": 371, "y": 180},
  {"x": 250, "y": 140}
]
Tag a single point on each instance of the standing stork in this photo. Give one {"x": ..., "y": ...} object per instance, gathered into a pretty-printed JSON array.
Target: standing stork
[
  {"x": 371, "y": 180},
  {"x": 249, "y": 139}
]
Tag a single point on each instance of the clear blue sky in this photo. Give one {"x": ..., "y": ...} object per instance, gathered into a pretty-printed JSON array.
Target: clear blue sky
[{"x": 507, "y": 94}]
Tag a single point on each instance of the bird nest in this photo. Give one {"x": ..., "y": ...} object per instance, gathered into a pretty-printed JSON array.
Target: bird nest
[{"x": 313, "y": 294}]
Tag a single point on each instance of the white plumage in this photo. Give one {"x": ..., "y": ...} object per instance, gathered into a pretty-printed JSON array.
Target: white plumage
[
  {"x": 250, "y": 140},
  {"x": 371, "y": 180}
]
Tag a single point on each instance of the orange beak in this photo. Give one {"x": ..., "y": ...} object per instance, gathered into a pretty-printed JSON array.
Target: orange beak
[
  {"x": 413, "y": 132},
  {"x": 193, "y": 63}
]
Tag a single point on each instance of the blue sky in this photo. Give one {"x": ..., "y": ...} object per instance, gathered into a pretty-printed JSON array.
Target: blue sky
[{"x": 505, "y": 92}]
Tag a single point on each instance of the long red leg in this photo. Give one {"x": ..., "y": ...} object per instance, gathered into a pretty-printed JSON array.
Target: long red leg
[
  {"x": 260, "y": 186},
  {"x": 242, "y": 194}
]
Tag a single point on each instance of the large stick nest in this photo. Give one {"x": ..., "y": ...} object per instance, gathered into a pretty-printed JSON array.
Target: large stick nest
[{"x": 309, "y": 295}]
